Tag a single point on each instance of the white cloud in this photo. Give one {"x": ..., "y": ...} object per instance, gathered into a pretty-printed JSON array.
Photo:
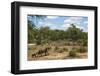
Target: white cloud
[
  {"x": 80, "y": 27},
  {"x": 52, "y": 26},
  {"x": 52, "y": 17},
  {"x": 40, "y": 22},
  {"x": 67, "y": 21},
  {"x": 65, "y": 26},
  {"x": 85, "y": 22},
  {"x": 78, "y": 21},
  {"x": 48, "y": 24},
  {"x": 75, "y": 20}
]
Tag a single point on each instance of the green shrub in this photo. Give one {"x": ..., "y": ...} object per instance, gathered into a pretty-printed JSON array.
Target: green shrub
[
  {"x": 29, "y": 48},
  {"x": 72, "y": 53},
  {"x": 82, "y": 49},
  {"x": 85, "y": 43},
  {"x": 49, "y": 48},
  {"x": 65, "y": 43},
  {"x": 68, "y": 44},
  {"x": 56, "y": 48},
  {"x": 74, "y": 49},
  {"x": 65, "y": 49},
  {"x": 60, "y": 51}
]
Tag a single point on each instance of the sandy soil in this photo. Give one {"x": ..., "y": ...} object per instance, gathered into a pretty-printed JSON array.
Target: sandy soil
[{"x": 58, "y": 56}]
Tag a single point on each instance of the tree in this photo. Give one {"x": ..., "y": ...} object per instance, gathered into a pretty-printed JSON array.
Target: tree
[
  {"x": 74, "y": 33},
  {"x": 84, "y": 38},
  {"x": 36, "y": 18},
  {"x": 45, "y": 34},
  {"x": 33, "y": 32},
  {"x": 30, "y": 32}
]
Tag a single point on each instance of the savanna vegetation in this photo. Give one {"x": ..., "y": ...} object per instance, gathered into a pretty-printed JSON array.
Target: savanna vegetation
[{"x": 47, "y": 44}]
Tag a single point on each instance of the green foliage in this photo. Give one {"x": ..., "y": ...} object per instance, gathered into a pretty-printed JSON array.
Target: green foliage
[
  {"x": 60, "y": 51},
  {"x": 45, "y": 35},
  {"x": 82, "y": 49},
  {"x": 65, "y": 49},
  {"x": 56, "y": 48},
  {"x": 84, "y": 42},
  {"x": 74, "y": 49},
  {"x": 30, "y": 32},
  {"x": 31, "y": 48},
  {"x": 72, "y": 53},
  {"x": 74, "y": 33}
]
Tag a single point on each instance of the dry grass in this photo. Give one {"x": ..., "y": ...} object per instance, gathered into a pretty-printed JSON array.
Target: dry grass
[{"x": 57, "y": 52}]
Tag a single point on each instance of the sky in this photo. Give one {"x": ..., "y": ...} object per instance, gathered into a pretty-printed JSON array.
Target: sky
[{"x": 60, "y": 22}]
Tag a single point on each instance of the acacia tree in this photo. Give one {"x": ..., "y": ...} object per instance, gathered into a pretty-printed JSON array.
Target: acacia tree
[
  {"x": 84, "y": 38},
  {"x": 30, "y": 32},
  {"x": 33, "y": 32},
  {"x": 36, "y": 18},
  {"x": 74, "y": 33}
]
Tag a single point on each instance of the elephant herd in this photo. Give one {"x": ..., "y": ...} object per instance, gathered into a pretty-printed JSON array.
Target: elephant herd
[{"x": 41, "y": 53}]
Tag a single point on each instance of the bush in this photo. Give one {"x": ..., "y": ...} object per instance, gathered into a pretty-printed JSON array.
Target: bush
[
  {"x": 72, "y": 53},
  {"x": 65, "y": 49},
  {"x": 49, "y": 47},
  {"x": 56, "y": 48},
  {"x": 74, "y": 49},
  {"x": 65, "y": 43},
  {"x": 85, "y": 43},
  {"x": 31, "y": 48},
  {"x": 60, "y": 51},
  {"x": 82, "y": 49},
  {"x": 68, "y": 44}
]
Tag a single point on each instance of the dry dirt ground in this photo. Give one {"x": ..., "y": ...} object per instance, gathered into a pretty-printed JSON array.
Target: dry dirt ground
[{"x": 54, "y": 55}]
